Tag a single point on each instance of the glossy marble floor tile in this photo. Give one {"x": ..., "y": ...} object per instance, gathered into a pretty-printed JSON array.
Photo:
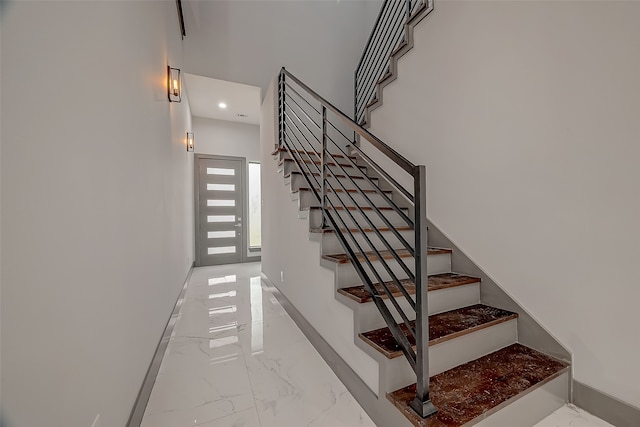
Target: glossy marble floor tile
[
  {"x": 235, "y": 358},
  {"x": 572, "y": 416}
]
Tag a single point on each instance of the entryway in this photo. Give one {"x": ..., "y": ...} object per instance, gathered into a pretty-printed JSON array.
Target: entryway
[{"x": 222, "y": 211}]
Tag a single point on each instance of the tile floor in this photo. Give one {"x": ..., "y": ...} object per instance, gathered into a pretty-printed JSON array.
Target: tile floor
[
  {"x": 236, "y": 359},
  {"x": 572, "y": 416}
]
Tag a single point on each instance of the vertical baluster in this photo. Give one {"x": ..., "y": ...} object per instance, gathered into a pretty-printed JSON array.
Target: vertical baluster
[
  {"x": 280, "y": 111},
  {"x": 283, "y": 98},
  {"x": 422, "y": 403},
  {"x": 355, "y": 95},
  {"x": 324, "y": 165},
  {"x": 408, "y": 11}
]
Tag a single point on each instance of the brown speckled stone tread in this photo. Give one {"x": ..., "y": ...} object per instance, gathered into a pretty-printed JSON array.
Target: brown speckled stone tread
[
  {"x": 313, "y": 153},
  {"x": 437, "y": 281},
  {"x": 352, "y": 208},
  {"x": 339, "y": 190},
  {"x": 442, "y": 327},
  {"x": 318, "y": 162},
  {"x": 402, "y": 253},
  {"x": 468, "y": 391},
  {"x": 329, "y": 175},
  {"x": 365, "y": 229}
]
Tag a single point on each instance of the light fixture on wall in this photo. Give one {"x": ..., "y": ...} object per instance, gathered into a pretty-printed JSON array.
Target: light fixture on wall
[
  {"x": 174, "y": 84},
  {"x": 190, "y": 141}
]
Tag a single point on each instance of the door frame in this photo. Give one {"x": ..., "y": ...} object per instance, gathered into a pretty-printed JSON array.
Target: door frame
[{"x": 245, "y": 202}]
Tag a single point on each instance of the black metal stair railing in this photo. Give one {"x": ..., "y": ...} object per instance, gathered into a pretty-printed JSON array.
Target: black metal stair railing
[
  {"x": 387, "y": 35},
  {"x": 314, "y": 134}
]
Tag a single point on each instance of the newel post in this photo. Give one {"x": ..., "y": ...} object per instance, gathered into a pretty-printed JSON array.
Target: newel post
[{"x": 422, "y": 403}]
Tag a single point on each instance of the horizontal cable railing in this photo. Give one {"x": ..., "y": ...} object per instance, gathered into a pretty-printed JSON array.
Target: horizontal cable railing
[
  {"x": 387, "y": 35},
  {"x": 352, "y": 205}
]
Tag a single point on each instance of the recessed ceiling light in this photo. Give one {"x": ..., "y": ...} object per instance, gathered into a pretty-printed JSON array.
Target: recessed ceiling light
[{"x": 222, "y": 105}]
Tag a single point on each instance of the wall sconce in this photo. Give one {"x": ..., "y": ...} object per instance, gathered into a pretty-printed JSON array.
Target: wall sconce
[
  {"x": 174, "y": 84},
  {"x": 190, "y": 141}
]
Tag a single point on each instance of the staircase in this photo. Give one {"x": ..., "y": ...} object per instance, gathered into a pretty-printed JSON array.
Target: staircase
[{"x": 474, "y": 370}]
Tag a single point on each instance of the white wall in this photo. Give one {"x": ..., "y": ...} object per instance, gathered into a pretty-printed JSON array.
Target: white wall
[
  {"x": 526, "y": 115},
  {"x": 1, "y": 16},
  {"x": 227, "y": 138},
  {"x": 97, "y": 217},
  {"x": 249, "y": 41}
]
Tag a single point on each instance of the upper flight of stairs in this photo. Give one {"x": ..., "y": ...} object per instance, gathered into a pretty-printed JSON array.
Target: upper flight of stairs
[
  {"x": 480, "y": 374},
  {"x": 391, "y": 73}
]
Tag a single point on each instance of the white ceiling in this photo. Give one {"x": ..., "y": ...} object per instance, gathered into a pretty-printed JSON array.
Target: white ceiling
[{"x": 205, "y": 94}]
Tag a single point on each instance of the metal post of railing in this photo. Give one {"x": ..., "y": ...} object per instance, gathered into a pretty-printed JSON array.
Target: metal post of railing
[
  {"x": 280, "y": 112},
  {"x": 281, "y": 107},
  {"x": 422, "y": 403},
  {"x": 408, "y": 12},
  {"x": 323, "y": 160},
  {"x": 355, "y": 96}
]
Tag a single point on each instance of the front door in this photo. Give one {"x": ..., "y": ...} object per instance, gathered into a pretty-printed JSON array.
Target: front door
[{"x": 220, "y": 208}]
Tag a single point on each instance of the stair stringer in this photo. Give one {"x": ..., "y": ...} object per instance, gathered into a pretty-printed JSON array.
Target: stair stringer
[
  {"x": 392, "y": 74},
  {"x": 530, "y": 332}
]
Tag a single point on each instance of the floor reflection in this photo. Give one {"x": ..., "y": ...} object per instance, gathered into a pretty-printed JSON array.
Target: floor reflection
[
  {"x": 236, "y": 359},
  {"x": 223, "y": 295},
  {"x": 224, "y": 279},
  {"x": 257, "y": 320}
]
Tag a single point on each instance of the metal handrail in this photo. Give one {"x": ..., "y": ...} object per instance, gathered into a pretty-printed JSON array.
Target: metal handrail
[
  {"x": 395, "y": 330},
  {"x": 379, "y": 213},
  {"x": 304, "y": 145},
  {"x": 388, "y": 36},
  {"x": 362, "y": 132},
  {"x": 372, "y": 205},
  {"x": 353, "y": 164}
]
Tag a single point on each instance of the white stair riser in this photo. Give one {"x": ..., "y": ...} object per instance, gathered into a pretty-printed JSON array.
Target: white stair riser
[
  {"x": 308, "y": 198},
  {"x": 452, "y": 298},
  {"x": 331, "y": 244},
  {"x": 291, "y": 166},
  {"x": 298, "y": 181},
  {"x": 369, "y": 318},
  {"x": 346, "y": 274},
  {"x": 451, "y": 353},
  {"x": 529, "y": 408},
  {"x": 374, "y": 220}
]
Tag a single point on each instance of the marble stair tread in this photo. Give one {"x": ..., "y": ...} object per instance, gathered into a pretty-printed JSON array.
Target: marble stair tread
[
  {"x": 442, "y": 327},
  {"x": 354, "y": 208},
  {"x": 480, "y": 387},
  {"x": 340, "y": 190},
  {"x": 365, "y": 229},
  {"x": 372, "y": 256},
  {"x": 329, "y": 175},
  {"x": 313, "y": 153},
  {"x": 386, "y": 75},
  {"x": 318, "y": 162},
  {"x": 436, "y": 282},
  {"x": 371, "y": 103}
]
